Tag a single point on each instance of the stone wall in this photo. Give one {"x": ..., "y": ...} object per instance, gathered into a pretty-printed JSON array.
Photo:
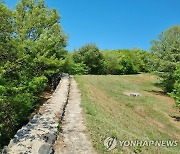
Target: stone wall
[{"x": 39, "y": 135}]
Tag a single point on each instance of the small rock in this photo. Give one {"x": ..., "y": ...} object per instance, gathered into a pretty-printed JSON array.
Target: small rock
[
  {"x": 134, "y": 94},
  {"x": 50, "y": 138},
  {"x": 45, "y": 149},
  {"x": 5, "y": 150},
  {"x": 21, "y": 133}
]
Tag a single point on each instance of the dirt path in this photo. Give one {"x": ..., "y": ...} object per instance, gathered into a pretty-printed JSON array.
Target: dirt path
[{"x": 73, "y": 140}]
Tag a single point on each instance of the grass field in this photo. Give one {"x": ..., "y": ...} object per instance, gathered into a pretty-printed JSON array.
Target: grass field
[{"x": 110, "y": 111}]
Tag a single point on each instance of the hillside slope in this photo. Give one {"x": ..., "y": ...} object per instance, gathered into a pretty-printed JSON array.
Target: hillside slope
[{"x": 110, "y": 111}]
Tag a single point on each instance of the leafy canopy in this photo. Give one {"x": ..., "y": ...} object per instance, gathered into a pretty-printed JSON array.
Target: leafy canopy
[
  {"x": 167, "y": 53},
  {"x": 32, "y": 54}
]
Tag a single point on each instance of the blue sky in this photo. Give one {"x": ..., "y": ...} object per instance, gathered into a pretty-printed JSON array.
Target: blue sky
[{"x": 114, "y": 24}]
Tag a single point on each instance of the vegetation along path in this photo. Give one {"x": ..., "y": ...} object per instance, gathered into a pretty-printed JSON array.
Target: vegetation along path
[{"x": 40, "y": 134}]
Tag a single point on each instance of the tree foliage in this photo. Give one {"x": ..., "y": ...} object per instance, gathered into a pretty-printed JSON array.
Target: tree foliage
[
  {"x": 91, "y": 56},
  {"x": 90, "y": 60},
  {"x": 74, "y": 68},
  {"x": 167, "y": 55},
  {"x": 32, "y": 54},
  {"x": 126, "y": 61},
  {"x": 166, "y": 60},
  {"x": 176, "y": 91}
]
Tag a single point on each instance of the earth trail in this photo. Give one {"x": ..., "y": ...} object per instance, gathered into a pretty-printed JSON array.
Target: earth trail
[{"x": 73, "y": 139}]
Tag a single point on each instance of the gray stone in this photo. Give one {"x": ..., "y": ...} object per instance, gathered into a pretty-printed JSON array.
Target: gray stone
[
  {"x": 45, "y": 149},
  {"x": 15, "y": 140},
  {"x": 50, "y": 138},
  {"x": 5, "y": 150},
  {"x": 21, "y": 133}
]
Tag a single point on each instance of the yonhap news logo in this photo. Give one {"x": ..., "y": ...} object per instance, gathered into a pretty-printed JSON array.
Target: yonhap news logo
[{"x": 111, "y": 143}]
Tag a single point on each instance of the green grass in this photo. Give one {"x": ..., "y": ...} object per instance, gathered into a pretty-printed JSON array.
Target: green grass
[{"x": 109, "y": 111}]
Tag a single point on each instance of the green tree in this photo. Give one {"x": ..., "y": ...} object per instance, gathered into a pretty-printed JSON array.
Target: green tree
[
  {"x": 7, "y": 55},
  {"x": 176, "y": 91},
  {"x": 74, "y": 68},
  {"x": 167, "y": 55},
  {"x": 41, "y": 37},
  {"x": 91, "y": 56},
  {"x": 32, "y": 53},
  {"x": 120, "y": 62},
  {"x": 129, "y": 62},
  {"x": 112, "y": 63},
  {"x": 5, "y": 32},
  {"x": 144, "y": 60}
]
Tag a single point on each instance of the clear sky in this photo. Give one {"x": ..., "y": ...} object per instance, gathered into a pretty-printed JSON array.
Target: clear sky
[{"x": 114, "y": 24}]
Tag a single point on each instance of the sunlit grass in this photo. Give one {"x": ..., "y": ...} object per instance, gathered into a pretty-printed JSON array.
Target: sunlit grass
[{"x": 110, "y": 110}]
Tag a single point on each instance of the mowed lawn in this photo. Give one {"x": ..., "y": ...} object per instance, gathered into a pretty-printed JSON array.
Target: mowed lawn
[{"x": 110, "y": 111}]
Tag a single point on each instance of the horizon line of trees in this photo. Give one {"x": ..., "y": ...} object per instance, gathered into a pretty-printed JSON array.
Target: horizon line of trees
[
  {"x": 89, "y": 59},
  {"x": 163, "y": 60}
]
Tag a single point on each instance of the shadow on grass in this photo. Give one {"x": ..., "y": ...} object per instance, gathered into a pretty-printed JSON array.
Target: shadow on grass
[
  {"x": 160, "y": 92},
  {"x": 176, "y": 118},
  {"x": 158, "y": 85}
]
